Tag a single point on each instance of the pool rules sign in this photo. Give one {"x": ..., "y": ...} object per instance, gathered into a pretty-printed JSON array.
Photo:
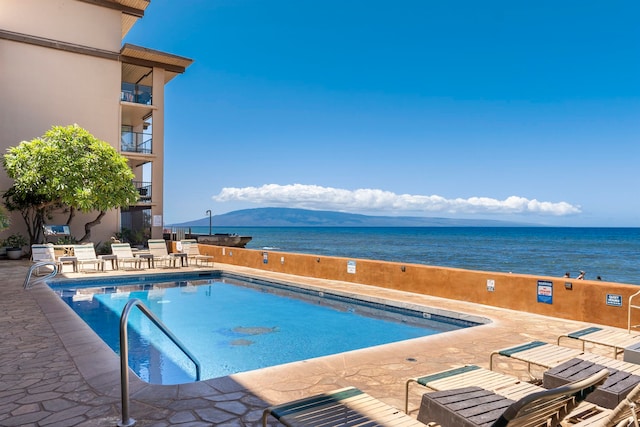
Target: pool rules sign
[
  {"x": 545, "y": 291},
  {"x": 351, "y": 267}
]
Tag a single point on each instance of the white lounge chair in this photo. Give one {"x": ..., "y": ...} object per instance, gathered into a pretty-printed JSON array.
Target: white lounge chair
[
  {"x": 124, "y": 256},
  {"x": 86, "y": 255},
  {"x": 44, "y": 252},
  {"x": 191, "y": 248},
  {"x": 161, "y": 257}
]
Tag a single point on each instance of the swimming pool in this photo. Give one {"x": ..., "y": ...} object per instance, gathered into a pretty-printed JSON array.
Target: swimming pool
[{"x": 235, "y": 324}]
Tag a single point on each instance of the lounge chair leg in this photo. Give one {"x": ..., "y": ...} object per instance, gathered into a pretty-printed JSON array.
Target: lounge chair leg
[
  {"x": 406, "y": 395},
  {"x": 493, "y": 353},
  {"x": 265, "y": 414}
]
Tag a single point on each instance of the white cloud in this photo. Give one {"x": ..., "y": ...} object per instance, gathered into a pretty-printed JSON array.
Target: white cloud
[{"x": 327, "y": 198}]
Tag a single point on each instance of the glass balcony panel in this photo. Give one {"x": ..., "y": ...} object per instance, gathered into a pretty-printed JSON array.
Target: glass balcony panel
[
  {"x": 144, "y": 189},
  {"x": 136, "y": 142},
  {"x": 138, "y": 94}
]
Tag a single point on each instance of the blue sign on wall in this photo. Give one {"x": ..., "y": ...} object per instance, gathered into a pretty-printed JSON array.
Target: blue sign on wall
[{"x": 545, "y": 292}]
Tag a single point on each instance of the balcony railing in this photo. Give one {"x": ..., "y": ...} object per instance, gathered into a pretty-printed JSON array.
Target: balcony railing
[
  {"x": 136, "y": 142},
  {"x": 144, "y": 189},
  {"x": 139, "y": 94}
]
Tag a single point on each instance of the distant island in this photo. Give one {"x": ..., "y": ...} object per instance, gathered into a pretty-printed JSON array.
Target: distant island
[{"x": 290, "y": 217}]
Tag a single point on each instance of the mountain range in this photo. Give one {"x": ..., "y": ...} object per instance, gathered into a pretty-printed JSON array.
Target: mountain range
[{"x": 290, "y": 217}]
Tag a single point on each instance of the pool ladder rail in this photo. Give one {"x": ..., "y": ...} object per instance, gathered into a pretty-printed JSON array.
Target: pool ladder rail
[
  {"x": 35, "y": 267},
  {"x": 124, "y": 345},
  {"x": 632, "y": 306},
  {"x": 124, "y": 354}
]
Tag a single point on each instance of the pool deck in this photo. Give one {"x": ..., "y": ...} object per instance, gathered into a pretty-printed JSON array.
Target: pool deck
[{"x": 54, "y": 371}]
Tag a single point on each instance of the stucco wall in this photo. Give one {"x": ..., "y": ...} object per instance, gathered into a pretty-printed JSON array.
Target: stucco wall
[
  {"x": 69, "y": 21},
  {"x": 586, "y": 300},
  {"x": 43, "y": 86}
]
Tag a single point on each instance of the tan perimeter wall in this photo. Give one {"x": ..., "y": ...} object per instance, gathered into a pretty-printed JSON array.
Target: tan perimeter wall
[{"x": 588, "y": 301}]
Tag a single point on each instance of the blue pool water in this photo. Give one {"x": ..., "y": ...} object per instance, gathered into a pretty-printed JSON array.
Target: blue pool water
[{"x": 233, "y": 325}]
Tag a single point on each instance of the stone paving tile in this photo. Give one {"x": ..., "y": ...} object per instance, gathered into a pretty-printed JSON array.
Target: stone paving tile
[
  {"x": 69, "y": 416},
  {"x": 54, "y": 371},
  {"x": 182, "y": 417}
]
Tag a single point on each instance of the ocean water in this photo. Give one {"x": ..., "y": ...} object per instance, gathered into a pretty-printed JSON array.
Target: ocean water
[{"x": 611, "y": 253}]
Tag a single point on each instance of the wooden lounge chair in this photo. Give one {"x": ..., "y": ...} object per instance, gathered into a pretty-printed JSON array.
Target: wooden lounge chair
[
  {"x": 476, "y": 407},
  {"x": 546, "y": 355},
  {"x": 86, "y": 255},
  {"x": 345, "y": 407},
  {"x": 124, "y": 256},
  {"x": 161, "y": 257},
  {"x": 473, "y": 375},
  {"x": 625, "y": 414},
  {"x": 614, "y": 404},
  {"x": 609, "y": 362},
  {"x": 191, "y": 248},
  {"x": 615, "y": 389},
  {"x": 616, "y": 339},
  {"x": 586, "y": 414},
  {"x": 536, "y": 353}
]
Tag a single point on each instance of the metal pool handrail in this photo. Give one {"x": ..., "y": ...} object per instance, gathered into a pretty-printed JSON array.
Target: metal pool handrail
[
  {"x": 124, "y": 354},
  {"x": 631, "y": 305},
  {"x": 42, "y": 279}
]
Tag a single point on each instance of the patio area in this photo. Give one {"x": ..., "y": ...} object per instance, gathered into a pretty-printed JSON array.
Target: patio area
[{"x": 54, "y": 370}]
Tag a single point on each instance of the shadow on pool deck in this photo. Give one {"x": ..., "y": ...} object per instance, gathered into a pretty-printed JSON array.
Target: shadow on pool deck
[{"x": 54, "y": 370}]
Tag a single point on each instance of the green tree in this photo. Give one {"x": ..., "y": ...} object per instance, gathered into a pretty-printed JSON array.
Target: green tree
[
  {"x": 33, "y": 208},
  {"x": 4, "y": 219},
  {"x": 68, "y": 168}
]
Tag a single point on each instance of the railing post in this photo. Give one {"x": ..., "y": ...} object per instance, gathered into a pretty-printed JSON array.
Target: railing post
[
  {"x": 124, "y": 366},
  {"x": 629, "y": 314},
  {"x": 36, "y": 266}
]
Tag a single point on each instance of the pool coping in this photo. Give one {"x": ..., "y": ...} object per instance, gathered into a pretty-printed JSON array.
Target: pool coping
[
  {"x": 399, "y": 308},
  {"x": 77, "y": 339},
  {"x": 239, "y": 399}
]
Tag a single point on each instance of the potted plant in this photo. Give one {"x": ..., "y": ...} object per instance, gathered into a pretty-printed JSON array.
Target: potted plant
[{"x": 14, "y": 244}]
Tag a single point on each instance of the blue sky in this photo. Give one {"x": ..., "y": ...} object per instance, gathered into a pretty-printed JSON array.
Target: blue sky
[{"x": 519, "y": 111}]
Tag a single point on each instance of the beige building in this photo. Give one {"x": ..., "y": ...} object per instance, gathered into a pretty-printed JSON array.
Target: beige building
[{"x": 63, "y": 62}]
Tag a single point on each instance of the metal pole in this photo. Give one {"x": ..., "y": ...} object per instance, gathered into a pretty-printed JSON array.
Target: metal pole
[
  {"x": 124, "y": 367},
  {"x": 209, "y": 213},
  {"x": 127, "y": 421}
]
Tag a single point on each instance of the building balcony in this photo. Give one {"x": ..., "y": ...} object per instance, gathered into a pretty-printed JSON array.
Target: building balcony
[
  {"x": 144, "y": 189},
  {"x": 136, "y": 142},
  {"x": 137, "y": 94}
]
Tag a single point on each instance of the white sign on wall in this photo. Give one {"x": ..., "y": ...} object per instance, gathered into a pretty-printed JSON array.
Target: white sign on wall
[{"x": 351, "y": 267}]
